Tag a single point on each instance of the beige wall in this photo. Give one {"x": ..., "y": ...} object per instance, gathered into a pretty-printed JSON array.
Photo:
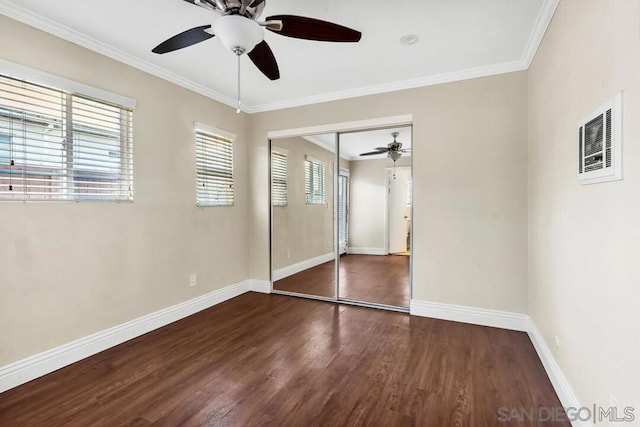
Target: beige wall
[
  {"x": 470, "y": 211},
  {"x": 367, "y": 208},
  {"x": 305, "y": 231},
  {"x": 72, "y": 269},
  {"x": 585, "y": 240}
]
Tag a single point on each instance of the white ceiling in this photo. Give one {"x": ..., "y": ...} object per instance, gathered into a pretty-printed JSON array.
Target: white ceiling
[
  {"x": 352, "y": 144},
  {"x": 458, "y": 39}
]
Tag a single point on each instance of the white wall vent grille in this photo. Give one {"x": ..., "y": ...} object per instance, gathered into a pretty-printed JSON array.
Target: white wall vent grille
[{"x": 599, "y": 144}]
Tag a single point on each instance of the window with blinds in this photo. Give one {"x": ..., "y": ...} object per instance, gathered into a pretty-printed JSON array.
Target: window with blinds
[
  {"x": 279, "y": 178},
  {"x": 60, "y": 145},
  {"x": 214, "y": 169},
  {"x": 314, "y": 182}
]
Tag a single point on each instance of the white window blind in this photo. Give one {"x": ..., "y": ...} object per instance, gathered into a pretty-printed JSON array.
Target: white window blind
[
  {"x": 214, "y": 169},
  {"x": 314, "y": 182},
  {"x": 279, "y": 178},
  {"x": 58, "y": 145}
]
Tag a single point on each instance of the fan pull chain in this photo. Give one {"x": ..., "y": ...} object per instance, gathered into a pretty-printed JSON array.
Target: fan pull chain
[
  {"x": 12, "y": 162},
  {"x": 238, "y": 54},
  {"x": 11, "y": 165}
]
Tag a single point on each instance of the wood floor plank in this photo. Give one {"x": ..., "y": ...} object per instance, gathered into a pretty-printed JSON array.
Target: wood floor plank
[
  {"x": 369, "y": 278},
  {"x": 274, "y": 360}
]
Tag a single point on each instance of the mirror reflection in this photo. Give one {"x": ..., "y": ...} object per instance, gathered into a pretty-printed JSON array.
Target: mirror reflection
[
  {"x": 359, "y": 210},
  {"x": 375, "y": 216},
  {"x": 302, "y": 194}
]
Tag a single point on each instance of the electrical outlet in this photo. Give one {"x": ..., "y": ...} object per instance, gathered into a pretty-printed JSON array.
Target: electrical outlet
[
  {"x": 556, "y": 340},
  {"x": 193, "y": 280}
]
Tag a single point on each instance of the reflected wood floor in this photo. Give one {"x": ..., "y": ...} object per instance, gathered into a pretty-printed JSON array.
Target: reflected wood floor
[
  {"x": 276, "y": 360},
  {"x": 371, "y": 278}
]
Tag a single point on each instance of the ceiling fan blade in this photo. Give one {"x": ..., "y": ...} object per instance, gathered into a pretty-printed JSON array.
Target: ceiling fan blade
[
  {"x": 263, "y": 58},
  {"x": 256, "y": 3},
  {"x": 184, "y": 39},
  {"x": 301, "y": 27},
  {"x": 382, "y": 148},
  {"x": 372, "y": 153}
]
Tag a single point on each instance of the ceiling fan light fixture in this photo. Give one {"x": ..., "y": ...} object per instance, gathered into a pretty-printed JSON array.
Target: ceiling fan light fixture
[
  {"x": 237, "y": 33},
  {"x": 240, "y": 33},
  {"x": 394, "y": 155}
]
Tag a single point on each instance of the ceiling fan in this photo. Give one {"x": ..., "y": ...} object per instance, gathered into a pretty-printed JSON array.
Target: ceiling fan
[
  {"x": 393, "y": 149},
  {"x": 240, "y": 32}
]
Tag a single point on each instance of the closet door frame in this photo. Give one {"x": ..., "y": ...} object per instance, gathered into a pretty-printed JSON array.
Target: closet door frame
[{"x": 338, "y": 129}]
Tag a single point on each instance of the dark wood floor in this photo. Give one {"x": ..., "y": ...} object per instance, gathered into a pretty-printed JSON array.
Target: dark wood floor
[
  {"x": 276, "y": 360},
  {"x": 370, "y": 278}
]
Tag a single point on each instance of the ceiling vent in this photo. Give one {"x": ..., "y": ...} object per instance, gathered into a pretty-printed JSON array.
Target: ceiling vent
[{"x": 599, "y": 144}]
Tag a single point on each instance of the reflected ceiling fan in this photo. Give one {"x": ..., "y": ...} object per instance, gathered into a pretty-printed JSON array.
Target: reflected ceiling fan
[
  {"x": 239, "y": 31},
  {"x": 394, "y": 149}
]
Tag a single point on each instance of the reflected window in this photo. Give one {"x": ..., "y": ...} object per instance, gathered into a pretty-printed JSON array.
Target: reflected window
[
  {"x": 315, "y": 182},
  {"x": 279, "y": 177}
]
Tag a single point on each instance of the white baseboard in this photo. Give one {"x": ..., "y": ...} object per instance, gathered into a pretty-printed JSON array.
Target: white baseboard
[
  {"x": 41, "y": 364},
  {"x": 262, "y": 286},
  {"x": 506, "y": 320},
  {"x": 25, "y": 370},
  {"x": 366, "y": 251},
  {"x": 473, "y": 315},
  {"x": 290, "y": 270},
  {"x": 560, "y": 384}
]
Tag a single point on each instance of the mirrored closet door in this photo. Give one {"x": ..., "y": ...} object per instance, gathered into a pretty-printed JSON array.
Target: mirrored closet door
[
  {"x": 302, "y": 216},
  {"x": 341, "y": 206},
  {"x": 375, "y": 206}
]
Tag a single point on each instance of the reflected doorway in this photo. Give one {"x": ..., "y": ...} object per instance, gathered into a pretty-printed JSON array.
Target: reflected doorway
[{"x": 399, "y": 210}]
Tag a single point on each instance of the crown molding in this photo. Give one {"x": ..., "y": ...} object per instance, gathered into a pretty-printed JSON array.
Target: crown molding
[
  {"x": 25, "y": 16},
  {"x": 543, "y": 20},
  {"x": 455, "y": 76},
  {"x": 315, "y": 139}
]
